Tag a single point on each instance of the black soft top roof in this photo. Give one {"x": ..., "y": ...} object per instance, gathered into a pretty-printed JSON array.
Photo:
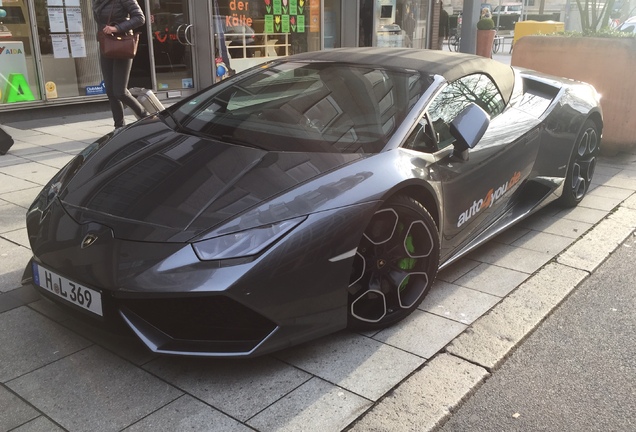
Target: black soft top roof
[{"x": 432, "y": 62}]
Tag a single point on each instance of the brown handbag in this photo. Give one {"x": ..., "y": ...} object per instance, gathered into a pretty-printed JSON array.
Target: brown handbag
[{"x": 117, "y": 45}]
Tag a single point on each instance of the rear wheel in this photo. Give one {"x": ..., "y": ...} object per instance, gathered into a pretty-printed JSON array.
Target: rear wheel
[
  {"x": 582, "y": 165},
  {"x": 394, "y": 266},
  {"x": 453, "y": 43},
  {"x": 495, "y": 45}
]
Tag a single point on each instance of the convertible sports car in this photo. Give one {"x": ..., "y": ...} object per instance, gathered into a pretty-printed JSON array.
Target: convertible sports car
[{"x": 316, "y": 192}]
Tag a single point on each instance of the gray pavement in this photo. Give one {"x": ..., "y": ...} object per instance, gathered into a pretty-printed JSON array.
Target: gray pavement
[
  {"x": 577, "y": 371},
  {"x": 58, "y": 374}
]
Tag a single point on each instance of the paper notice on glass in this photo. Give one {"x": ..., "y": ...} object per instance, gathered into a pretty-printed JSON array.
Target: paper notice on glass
[
  {"x": 74, "y": 19},
  {"x": 73, "y": 3},
  {"x": 55, "y": 3},
  {"x": 78, "y": 45},
  {"x": 56, "y": 20},
  {"x": 269, "y": 23},
  {"x": 60, "y": 45}
]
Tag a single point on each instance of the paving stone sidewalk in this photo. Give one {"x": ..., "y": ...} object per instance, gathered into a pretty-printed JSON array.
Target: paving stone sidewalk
[{"x": 59, "y": 374}]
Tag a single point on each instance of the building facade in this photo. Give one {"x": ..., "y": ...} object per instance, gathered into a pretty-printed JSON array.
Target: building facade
[{"x": 49, "y": 53}]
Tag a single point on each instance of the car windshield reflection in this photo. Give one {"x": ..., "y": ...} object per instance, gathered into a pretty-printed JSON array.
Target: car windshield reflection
[{"x": 305, "y": 107}]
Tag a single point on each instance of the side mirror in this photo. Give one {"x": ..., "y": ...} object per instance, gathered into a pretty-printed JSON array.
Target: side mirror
[{"x": 468, "y": 128}]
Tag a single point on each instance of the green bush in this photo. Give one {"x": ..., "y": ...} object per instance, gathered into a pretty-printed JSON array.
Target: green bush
[
  {"x": 485, "y": 24},
  {"x": 603, "y": 33}
]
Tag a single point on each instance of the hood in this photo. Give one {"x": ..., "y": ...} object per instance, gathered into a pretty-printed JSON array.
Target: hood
[{"x": 150, "y": 183}]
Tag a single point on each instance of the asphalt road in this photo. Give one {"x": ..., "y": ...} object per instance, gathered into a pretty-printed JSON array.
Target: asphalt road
[{"x": 577, "y": 371}]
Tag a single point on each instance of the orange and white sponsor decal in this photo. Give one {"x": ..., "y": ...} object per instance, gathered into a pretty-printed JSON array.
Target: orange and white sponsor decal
[{"x": 487, "y": 201}]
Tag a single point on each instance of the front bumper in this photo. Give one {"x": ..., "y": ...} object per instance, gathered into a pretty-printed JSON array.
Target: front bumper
[{"x": 177, "y": 304}]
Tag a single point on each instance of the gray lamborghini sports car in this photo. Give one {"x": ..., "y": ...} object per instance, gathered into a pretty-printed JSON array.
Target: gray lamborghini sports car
[{"x": 314, "y": 193}]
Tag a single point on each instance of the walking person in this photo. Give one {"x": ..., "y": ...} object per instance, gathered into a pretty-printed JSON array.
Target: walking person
[
  {"x": 444, "y": 26},
  {"x": 118, "y": 16}
]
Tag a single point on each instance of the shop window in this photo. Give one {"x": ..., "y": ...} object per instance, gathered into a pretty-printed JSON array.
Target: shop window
[
  {"x": 18, "y": 77},
  {"x": 68, "y": 49},
  {"x": 254, "y": 31},
  {"x": 393, "y": 23}
]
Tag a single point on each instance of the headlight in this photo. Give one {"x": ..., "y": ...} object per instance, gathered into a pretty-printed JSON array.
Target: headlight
[{"x": 243, "y": 243}]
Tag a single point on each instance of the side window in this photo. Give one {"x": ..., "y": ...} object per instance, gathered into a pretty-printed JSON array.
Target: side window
[
  {"x": 423, "y": 137},
  {"x": 476, "y": 88}
]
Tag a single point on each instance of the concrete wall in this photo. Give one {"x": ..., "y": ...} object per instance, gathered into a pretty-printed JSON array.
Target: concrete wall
[{"x": 606, "y": 63}]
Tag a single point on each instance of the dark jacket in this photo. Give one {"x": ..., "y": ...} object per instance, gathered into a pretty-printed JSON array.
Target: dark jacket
[
  {"x": 444, "y": 25},
  {"x": 124, "y": 14}
]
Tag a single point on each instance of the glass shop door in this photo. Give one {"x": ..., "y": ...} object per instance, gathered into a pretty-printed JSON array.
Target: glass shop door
[{"x": 172, "y": 44}]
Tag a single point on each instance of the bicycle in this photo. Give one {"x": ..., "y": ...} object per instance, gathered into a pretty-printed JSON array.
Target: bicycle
[
  {"x": 453, "y": 43},
  {"x": 496, "y": 43}
]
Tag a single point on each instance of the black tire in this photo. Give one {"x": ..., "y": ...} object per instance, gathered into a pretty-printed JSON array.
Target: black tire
[
  {"x": 453, "y": 43},
  {"x": 495, "y": 46},
  {"x": 395, "y": 265},
  {"x": 582, "y": 165}
]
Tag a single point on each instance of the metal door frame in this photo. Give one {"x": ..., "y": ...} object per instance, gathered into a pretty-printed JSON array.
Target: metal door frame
[{"x": 201, "y": 38}]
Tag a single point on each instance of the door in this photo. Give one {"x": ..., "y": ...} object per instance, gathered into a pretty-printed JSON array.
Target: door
[
  {"x": 141, "y": 74},
  {"x": 333, "y": 24},
  {"x": 477, "y": 190},
  {"x": 172, "y": 43}
]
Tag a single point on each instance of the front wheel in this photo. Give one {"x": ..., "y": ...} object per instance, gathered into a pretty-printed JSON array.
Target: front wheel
[
  {"x": 582, "y": 165},
  {"x": 394, "y": 266}
]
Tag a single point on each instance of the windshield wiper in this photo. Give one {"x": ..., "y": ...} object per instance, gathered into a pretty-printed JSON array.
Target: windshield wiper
[
  {"x": 232, "y": 140},
  {"x": 178, "y": 125}
]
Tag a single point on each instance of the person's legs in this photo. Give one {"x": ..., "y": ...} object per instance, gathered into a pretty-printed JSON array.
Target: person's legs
[
  {"x": 121, "y": 72},
  {"x": 116, "y": 107}
]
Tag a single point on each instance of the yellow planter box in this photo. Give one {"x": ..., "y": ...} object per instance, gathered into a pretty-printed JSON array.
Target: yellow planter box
[{"x": 526, "y": 28}]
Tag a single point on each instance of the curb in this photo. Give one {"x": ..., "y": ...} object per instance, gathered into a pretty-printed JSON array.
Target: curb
[{"x": 425, "y": 400}]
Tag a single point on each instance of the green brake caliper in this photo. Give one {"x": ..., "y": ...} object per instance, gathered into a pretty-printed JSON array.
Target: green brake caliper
[{"x": 407, "y": 263}]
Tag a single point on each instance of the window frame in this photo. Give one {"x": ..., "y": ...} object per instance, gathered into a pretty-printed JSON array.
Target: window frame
[{"x": 426, "y": 119}]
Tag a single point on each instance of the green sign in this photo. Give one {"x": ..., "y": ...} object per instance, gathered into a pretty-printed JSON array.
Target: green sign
[
  {"x": 17, "y": 89},
  {"x": 269, "y": 24},
  {"x": 301, "y": 23},
  {"x": 285, "y": 23}
]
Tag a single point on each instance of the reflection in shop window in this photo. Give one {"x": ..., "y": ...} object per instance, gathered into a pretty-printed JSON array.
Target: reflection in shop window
[
  {"x": 393, "y": 23},
  {"x": 254, "y": 31}
]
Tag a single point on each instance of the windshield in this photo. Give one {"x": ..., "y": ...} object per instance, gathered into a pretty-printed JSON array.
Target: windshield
[
  {"x": 507, "y": 8},
  {"x": 304, "y": 107}
]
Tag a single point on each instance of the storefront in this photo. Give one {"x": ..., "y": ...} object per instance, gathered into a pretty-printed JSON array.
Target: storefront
[{"x": 49, "y": 54}]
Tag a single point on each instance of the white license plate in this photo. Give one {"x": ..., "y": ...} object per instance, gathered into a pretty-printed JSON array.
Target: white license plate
[{"x": 68, "y": 290}]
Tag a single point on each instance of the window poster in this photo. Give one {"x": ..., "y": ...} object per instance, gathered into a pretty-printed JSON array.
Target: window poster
[
  {"x": 55, "y": 3},
  {"x": 56, "y": 20},
  {"x": 73, "y": 3},
  {"x": 78, "y": 45},
  {"x": 286, "y": 16},
  {"x": 301, "y": 24},
  {"x": 278, "y": 10},
  {"x": 285, "y": 24},
  {"x": 314, "y": 16},
  {"x": 269, "y": 23},
  {"x": 60, "y": 45},
  {"x": 74, "y": 19}
]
